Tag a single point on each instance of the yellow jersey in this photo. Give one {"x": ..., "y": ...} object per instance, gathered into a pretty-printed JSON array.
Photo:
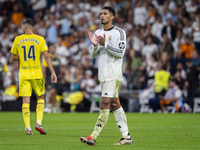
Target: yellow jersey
[{"x": 29, "y": 48}]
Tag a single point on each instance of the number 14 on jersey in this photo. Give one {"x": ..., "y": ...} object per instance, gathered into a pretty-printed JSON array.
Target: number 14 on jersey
[{"x": 31, "y": 52}]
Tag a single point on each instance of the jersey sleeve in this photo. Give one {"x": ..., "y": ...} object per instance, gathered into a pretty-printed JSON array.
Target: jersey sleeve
[
  {"x": 118, "y": 49},
  {"x": 14, "y": 47},
  {"x": 44, "y": 46}
]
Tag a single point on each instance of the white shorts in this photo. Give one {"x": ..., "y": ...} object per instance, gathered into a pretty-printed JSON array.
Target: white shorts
[{"x": 110, "y": 88}]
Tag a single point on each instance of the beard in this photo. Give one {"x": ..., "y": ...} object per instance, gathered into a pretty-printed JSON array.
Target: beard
[{"x": 104, "y": 23}]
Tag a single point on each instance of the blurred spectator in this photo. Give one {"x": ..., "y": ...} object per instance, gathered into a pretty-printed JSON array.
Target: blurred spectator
[
  {"x": 161, "y": 78},
  {"x": 187, "y": 48},
  {"x": 181, "y": 83},
  {"x": 169, "y": 29},
  {"x": 177, "y": 42},
  {"x": 157, "y": 27},
  {"x": 155, "y": 40},
  {"x": 192, "y": 7},
  {"x": 3, "y": 70},
  {"x": 140, "y": 14},
  {"x": 192, "y": 73},
  {"x": 166, "y": 15},
  {"x": 54, "y": 88},
  {"x": 38, "y": 5},
  {"x": 52, "y": 30},
  {"x": 41, "y": 29},
  {"x": 87, "y": 65},
  {"x": 17, "y": 15},
  {"x": 88, "y": 82},
  {"x": 172, "y": 97},
  {"x": 138, "y": 41},
  {"x": 166, "y": 46},
  {"x": 61, "y": 50},
  {"x": 148, "y": 49},
  {"x": 179, "y": 67},
  {"x": 195, "y": 58},
  {"x": 4, "y": 40},
  {"x": 151, "y": 67},
  {"x": 76, "y": 79},
  {"x": 187, "y": 29},
  {"x": 65, "y": 24},
  {"x": 196, "y": 32},
  {"x": 135, "y": 68}
]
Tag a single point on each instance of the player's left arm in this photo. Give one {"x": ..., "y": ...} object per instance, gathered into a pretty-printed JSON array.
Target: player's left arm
[
  {"x": 118, "y": 49},
  {"x": 14, "y": 57}
]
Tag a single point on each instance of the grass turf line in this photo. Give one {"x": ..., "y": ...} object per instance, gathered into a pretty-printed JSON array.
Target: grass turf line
[{"x": 148, "y": 131}]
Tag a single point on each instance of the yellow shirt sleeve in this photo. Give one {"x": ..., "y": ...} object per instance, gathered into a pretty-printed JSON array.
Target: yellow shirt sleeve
[
  {"x": 44, "y": 64},
  {"x": 44, "y": 46},
  {"x": 14, "y": 47}
]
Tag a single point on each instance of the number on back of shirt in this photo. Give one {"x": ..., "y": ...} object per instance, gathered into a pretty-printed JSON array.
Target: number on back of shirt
[{"x": 31, "y": 52}]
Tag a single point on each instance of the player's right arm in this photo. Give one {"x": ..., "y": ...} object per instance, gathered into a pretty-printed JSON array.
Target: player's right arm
[
  {"x": 50, "y": 66},
  {"x": 14, "y": 51},
  {"x": 94, "y": 48}
]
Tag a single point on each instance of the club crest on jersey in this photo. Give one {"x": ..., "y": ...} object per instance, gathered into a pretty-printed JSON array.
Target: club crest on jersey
[
  {"x": 121, "y": 45},
  {"x": 110, "y": 37}
]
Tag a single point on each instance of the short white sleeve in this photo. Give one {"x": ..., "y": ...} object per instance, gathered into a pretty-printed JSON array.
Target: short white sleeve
[{"x": 178, "y": 93}]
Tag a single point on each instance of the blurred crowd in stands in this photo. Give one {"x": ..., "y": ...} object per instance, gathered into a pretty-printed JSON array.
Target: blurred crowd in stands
[{"x": 161, "y": 35}]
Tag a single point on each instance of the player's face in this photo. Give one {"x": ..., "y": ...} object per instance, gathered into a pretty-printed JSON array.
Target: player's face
[{"x": 106, "y": 16}]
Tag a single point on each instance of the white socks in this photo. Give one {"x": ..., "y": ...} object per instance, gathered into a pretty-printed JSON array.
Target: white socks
[
  {"x": 101, "y": 122},
  {"x": 122, "y": 122},
  {"x": 39, "y": 123}
]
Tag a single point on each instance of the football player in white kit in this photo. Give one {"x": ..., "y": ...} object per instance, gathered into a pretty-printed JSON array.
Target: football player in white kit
[{"x": 109, "y": 45}]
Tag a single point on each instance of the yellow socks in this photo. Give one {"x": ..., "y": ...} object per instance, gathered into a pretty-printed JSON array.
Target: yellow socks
[
  {"x": 40, "y": 110},
  {"x": 26, "y": 114}
]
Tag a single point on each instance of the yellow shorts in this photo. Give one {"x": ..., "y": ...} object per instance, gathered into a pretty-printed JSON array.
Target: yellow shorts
[{"x": 26, "y": 87}]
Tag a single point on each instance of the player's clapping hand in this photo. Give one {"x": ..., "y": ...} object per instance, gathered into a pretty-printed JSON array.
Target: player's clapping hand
[
  {"x": 100, "y": 39},
  {"x": 92, "y": 39},
  {"x": 53, "y": 78}
]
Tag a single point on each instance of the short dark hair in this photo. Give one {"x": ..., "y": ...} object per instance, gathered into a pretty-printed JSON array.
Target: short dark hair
[
  {"x": 111, "y": 10},
  {"x": 29, "y": 21}
]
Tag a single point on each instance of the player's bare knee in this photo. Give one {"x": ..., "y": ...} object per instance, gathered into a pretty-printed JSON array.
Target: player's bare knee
[{"x": 104, "y": 105}]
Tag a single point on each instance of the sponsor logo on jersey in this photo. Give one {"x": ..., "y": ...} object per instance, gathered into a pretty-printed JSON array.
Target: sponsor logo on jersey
[{"x": 30, "y": 67}]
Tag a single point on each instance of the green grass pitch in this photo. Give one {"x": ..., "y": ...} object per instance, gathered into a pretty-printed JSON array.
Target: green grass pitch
[{"x": 148, "y": 131}]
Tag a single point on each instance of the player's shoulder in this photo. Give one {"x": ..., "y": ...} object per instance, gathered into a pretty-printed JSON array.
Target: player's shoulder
[
  {"x": 19, "y": 37},
  {"x": 120, "y": 31},
  {"x": 38, "y": 37}
]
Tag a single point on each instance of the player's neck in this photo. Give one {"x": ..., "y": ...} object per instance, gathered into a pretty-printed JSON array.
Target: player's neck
[
  {"x": 108, "y": 26},
  {"x": 28, "y": 32}
]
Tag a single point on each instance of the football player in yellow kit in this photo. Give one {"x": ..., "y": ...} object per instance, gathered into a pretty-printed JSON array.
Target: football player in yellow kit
[{"x": 28, "y": 48}]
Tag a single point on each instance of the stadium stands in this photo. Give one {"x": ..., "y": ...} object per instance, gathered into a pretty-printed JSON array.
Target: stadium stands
[{"x": 158, "y": 32}]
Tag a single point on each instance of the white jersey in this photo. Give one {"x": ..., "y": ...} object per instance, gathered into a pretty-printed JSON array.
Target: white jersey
[{"x": 111, "y": 55}]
